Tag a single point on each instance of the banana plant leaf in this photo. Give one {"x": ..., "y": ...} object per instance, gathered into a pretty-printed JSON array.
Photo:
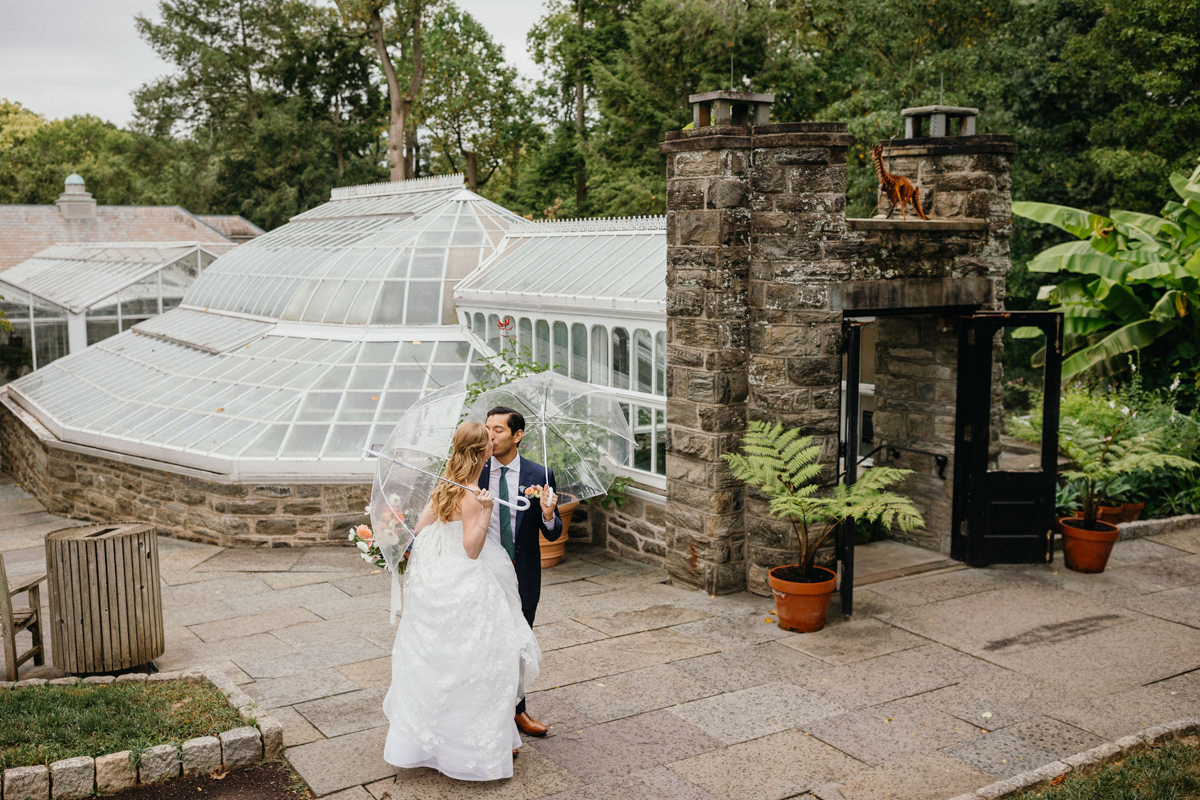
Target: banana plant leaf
[
  {"x": 1075, "y": 222},
  {"x": 1080, "y": 257},
  {"x": 1126, "y": 339}
]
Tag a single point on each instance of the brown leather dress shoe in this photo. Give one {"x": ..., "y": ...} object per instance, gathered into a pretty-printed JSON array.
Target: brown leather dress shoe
[{"x": 529, "y": 726}]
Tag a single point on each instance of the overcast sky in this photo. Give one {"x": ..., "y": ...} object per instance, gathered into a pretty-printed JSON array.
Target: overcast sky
[{"x": 64, "y": 57}]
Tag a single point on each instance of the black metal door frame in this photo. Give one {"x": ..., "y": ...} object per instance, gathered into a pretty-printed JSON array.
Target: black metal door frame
[
  {"x": 1002, "y": 516},
  {"x": 848, "y": 450}
]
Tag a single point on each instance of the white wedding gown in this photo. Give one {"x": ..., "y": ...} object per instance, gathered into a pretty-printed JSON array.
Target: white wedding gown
[{"x": 463, "y": 657}]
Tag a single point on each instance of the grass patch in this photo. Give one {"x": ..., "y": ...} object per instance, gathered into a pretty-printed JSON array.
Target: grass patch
[
  {"x": 1170, "y": 771},
  {"x": 41, "y": 724}
]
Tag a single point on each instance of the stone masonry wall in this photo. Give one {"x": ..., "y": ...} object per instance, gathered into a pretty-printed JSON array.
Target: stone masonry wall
[
  {"x": 228, "y": 514},
  {"x": 762, "y": 267}
]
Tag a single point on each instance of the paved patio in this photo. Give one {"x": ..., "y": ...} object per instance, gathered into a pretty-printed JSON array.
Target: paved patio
[{"x": 940, "y": 683}]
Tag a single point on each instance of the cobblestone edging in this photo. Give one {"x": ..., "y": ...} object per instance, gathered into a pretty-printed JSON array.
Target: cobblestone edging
[
  {"x": 85, "y": 776},
  {"x": 1154, "y": 527},
  {"x": 1086, "y": 761}
]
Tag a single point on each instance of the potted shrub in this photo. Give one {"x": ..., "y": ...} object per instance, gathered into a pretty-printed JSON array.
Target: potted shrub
[
  {"x": 782, "y": 464},
  {"x": 1100, "y": 458}
]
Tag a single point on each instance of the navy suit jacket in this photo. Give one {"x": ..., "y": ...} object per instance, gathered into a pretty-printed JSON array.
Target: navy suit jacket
[{"x": 526, "y": 527}]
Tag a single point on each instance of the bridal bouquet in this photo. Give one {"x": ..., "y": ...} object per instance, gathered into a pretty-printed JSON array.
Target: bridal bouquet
[{"x": 371, "y": 543}]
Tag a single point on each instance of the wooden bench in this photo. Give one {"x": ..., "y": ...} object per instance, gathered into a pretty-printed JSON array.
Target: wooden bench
[{"x": 20, "y": 618}]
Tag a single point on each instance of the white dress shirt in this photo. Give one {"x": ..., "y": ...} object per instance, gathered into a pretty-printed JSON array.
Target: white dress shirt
[{"x": 513, "y": 476}]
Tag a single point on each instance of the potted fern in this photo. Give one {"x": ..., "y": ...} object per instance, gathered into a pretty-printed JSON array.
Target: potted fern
[
  {"x": 1102, "y": 457},
  {"x": 782, "y": 464}
]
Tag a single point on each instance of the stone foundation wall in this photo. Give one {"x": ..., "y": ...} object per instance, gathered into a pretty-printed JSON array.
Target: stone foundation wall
[
  {"x": 99, "y": 489},
  {"x": 637, "y": 530}
]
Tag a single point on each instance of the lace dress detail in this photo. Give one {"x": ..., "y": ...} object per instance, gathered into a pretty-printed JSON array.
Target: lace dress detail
[{"x": 463, "y": 657}]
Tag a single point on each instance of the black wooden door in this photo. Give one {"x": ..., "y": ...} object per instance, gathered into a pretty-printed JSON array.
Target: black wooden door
[{"x": 1002, "y": 516}]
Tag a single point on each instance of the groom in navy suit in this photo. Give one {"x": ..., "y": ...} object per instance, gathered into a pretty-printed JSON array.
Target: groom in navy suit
[{"x": 506, "y": 476}]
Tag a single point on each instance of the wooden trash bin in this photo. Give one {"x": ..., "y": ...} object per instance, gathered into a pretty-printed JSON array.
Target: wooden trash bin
[{"x": 105, "y": 600}]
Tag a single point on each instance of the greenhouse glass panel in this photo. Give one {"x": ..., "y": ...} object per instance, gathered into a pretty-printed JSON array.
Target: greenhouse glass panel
[
  {"x": 599, "y": 365},
  {"x": 407, "y": 378},
  {"x": 369, "y": 378},
  {"x": 424, "y": 303},
  {"x": 50, "y": 340},
  {"x": 620, "y": 358},
  {"x": 378, "y": 353},
  {"x": 660, "y": 363},
  {"x": 525, "y": 336},
  {"x": 541, "y": 343},
  {"x": 305, "y": 441},
  {"x": 318, "y": 406},
  {"x": 561, "y": 348},
  {"x": 389, "y": 309},
  {"x": 416, "y": 351},
  {"x": 451, "y": 352},
  {"x": 579, "y": 352},
  {"x": 105, "y": 308},
  {"x": 100, "y": 329},
  {"x": 660, "y": 442},
  {"x": 643, "y": 433},
  {"x": 643, "y": 349},
  {"x": 359, "y": 407},
  {"x": 140, "y": 299},
  {"x": 428, "y": 264},
  {"x": 479, "y": 326},
  {"x": 266, "y": 445},
  {"x": 347, "y": 441},
  {"x": 493, "y": 332}
]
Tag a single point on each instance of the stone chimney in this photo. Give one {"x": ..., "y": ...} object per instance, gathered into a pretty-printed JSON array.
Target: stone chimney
[
  {"x": 75, "y": 203},
  {"x": 755, "y": 234}
]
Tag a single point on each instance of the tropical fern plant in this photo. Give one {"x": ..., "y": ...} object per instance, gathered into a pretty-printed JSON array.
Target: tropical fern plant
[
  {"x": 1132, "y": 280},
  {"x": 1101, "y": 457},
  {"x": 783, "y": 465}
]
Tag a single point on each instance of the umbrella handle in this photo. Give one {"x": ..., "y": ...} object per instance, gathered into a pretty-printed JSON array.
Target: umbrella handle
[{"x": 522, "y": 503}]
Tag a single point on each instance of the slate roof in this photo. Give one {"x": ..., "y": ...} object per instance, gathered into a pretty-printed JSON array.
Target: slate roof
[{"x": 29, "y": 229}]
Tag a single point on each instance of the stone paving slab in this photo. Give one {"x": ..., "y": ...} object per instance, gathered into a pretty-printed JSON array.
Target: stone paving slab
[
  {"x": 587, "y": 662},
  {"x": 613, "y": 749},
  {"x": 887, "y": 732},
  {"x": 664, "y": 692},
  {"x": 1001, "y": 753},
  {"x": 659, "y": 783},
  {"x": 534, "y": 776},
  {"x": 753, "y": 713},
  {"x": 773, "y": 767},
  {"x": 855, "y": 640},
  {"x": 331, "y": 765},
  {"x": 925, "y": 776},
  {"x": 746, "y": 667},
  {"x": 626, "y": 622},
  {"x": 565, "y": 633},
  {"x": 346, "y": 713},
  {"x": 636, "y": 692}
]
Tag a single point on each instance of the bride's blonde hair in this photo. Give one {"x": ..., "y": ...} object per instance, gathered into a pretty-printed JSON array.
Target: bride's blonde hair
[{"x": 470, "y": 450}]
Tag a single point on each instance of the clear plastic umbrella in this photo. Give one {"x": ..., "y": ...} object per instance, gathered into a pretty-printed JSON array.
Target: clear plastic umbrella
[
  {"x": 574, "y": 428},
  {"x": 410, "y": 464}
]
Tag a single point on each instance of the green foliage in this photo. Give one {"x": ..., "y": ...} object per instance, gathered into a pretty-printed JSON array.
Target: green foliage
[
  {"x": 783, "y": 465},
  {"x": 41, "y": 724},
  {"x": 1130, "y": 281},
  {"x": 1102, "y": 454}
]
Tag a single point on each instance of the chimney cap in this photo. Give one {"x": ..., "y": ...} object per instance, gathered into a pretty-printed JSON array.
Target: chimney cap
[
  {"x": 722, "y": 94},
  {"x": 950, "y": 111},
  {"x": 739, "y": 109},
  {"x": 74, "y": 179}
]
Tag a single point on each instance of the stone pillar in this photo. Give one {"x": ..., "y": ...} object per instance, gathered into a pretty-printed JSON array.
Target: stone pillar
[
  {"x": 800, "y": 245},
  {"x": 966, "y": 178},
  {"x": 707, "y": 274}
]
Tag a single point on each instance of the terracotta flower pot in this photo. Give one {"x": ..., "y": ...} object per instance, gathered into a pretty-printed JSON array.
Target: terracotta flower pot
[
  {"x": 1131, "y": 511},
  {"x": 552, "y": 552},
  {"x": 802, "y": 607},
  {"x": 1087, "y": 550}
]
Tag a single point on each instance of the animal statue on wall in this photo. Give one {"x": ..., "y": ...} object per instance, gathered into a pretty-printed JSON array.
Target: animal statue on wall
[{"x": 898, "y": 189}]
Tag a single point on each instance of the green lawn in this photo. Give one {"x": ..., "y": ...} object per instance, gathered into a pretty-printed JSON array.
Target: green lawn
[
  {"x": 1168, "y": 772},
  {"x": 41, "y": 724}
]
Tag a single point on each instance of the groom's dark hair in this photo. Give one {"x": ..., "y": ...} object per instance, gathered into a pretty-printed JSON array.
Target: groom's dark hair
[{"x": 516, "y": 422}]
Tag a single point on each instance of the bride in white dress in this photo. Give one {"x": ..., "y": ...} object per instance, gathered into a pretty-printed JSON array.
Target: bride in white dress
[{"x": 464, "y": 653}]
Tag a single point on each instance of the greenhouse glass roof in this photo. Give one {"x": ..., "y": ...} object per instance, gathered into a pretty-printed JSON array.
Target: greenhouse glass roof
[
  {"x": 294, "y": 351},
  {"x": 76, "y": 276},
  {"x": 382, "y": 259},
  {"x": 602, "y": 264}
]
